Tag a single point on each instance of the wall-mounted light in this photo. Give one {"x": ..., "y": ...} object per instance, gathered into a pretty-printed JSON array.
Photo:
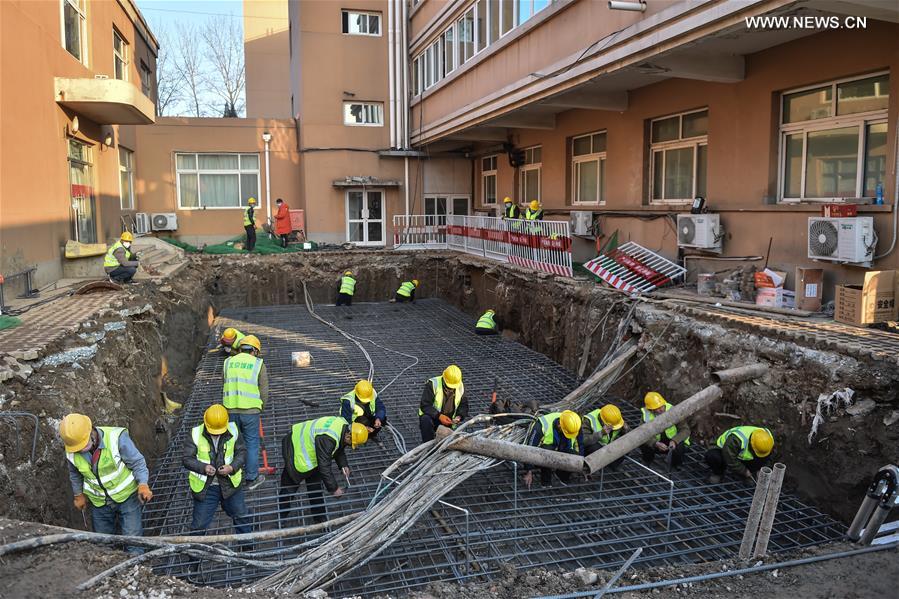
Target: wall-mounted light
[
  {"x": 107, "y": 136},
  {"x": 107, "y": 140},
  {"x": 629, "y": 6},
  {"x": 266, "y": 136}
]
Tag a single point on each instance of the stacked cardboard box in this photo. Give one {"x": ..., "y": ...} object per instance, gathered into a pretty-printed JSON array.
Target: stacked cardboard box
[{"x": 868, "y": 303}]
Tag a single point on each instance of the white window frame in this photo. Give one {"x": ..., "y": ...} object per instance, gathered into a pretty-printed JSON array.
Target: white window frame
[
  {"x": 449, "y": 199},
  {"x": 489, "y": 173},
  {"x": 681, "y": 142},
  {"x": 365, "y": 220},
  {"x": 80, "y": 7},
  {"x": 130, "y": 170},
  {"x": 593, "y": 156},
  {"x": 527, "y": 167},
  {"x": 454, "y": 49},
  {"x": 349, "y": 15},
  {"x": 123, "y": 56},
  {"x": 379, "y": 112},
  {"x": 198, "y": 171},
  {"x": 860, "y": 119}
]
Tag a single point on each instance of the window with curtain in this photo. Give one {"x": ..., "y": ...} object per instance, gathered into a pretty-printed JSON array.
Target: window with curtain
[
  {"x": 119, "y": 56},
  {"x": 74, "y": 26},
  {"x": 678, "y": 157},
  {"x": 126, "y": 178},
  {"x": 588, "y": 166},
  {"x": 216, "y": 180},
  {"x": 363, "y": 114},
  {"x": 361, "y": 23}
]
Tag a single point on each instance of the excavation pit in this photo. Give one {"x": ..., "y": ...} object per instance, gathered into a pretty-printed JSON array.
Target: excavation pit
[{"x": 488, "y": 521}]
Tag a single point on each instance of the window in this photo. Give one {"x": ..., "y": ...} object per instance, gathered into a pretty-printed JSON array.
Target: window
[
  {"x": 416, "y": 76},
  {"x": 146, "y": 80},
  {"x": 440, "y": 206},
  {"x": 529, "y": 8},
  {"x": 364, "y": 114},
  {"x": 126, "y": 179},
  {"x": 449, "y": 51},
  {"x": 488, "y": 176},
  {"x": 480, "y": 25},
  {"x": 679, "y": 151},
  {"x": 588, "y": 168},
  {"x": 465, "y": 27},
  {"x": 74, "y": 28},
  {"x": 507, "y": 14},
  {"x": 833, "y": 140},
  {"x": 529, "y": 183},
  {"x": 216, "y": 180},
  {"x": 81, "y": 193},
  {"x": 119, "y": 56},
  {"x": 361, "y": 23}
]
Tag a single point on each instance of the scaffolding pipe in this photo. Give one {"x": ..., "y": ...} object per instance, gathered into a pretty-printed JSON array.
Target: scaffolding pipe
[
  {"x": 875, "y": 523},
  {"x": 514, "y": 452},
  {"x": 861, "y": 517},
  {"x": 772, "y": 498},
  {"x": 755, "y": 513}
]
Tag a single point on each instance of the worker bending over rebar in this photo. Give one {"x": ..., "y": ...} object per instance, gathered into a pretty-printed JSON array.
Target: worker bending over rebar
[
  {"x": 672, "y": 442},
  {"x": 601, "y": 427},
  {"x": 363, "y": 405},
  {"x": 741, "y": 450},
  {"x": 443, "y": 402},
  {"x": 556, "y": 431}
]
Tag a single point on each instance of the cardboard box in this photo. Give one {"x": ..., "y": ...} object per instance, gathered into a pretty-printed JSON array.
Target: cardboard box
[
  {"x": 777, "y": 297},
  {"x": 770, "y": 278},
  {"x": 873, "y": 301},
  {"x": 809, "y": 288}
]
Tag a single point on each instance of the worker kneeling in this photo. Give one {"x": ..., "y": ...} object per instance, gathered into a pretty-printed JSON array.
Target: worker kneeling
[
  {"x": 214, "y": 456},
  {"x": 487, "y": 324},
  {"x": 362, "y": 405},
  {"x": 406, "y": 291},
  {"x": 107, "y": 470},
  {"x": 443, "y": 402},
  {"x": 557, "y": 431},
  {"x": 672, "y": 442},
  {"x": 230, "y": 340},
  {"x": 742, "y": 451},
  {"x": 346, "y": 290},
  {"x": 308, "y": 450},
  {"x": 120, "y": 263},
  {"x": 601, "y": 427}
]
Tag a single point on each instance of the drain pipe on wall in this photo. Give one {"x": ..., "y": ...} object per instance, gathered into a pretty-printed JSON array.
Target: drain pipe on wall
[
  {"x": 267, "y": 138},
  {"x": 895, "y": 200}
]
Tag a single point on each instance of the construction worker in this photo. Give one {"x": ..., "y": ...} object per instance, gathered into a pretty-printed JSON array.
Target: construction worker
[
  {"x": 406, "y": 292},
  {"x": 556, "y": 431},
  {"x": 108, "y": 472},
  {"x": 347, "y": 289},
  {"x": 534, "y": 211},
  {"x": 249, "y": 224},
  {"x": 487, "y": 324},
  {"x": 672, "y": 442},
  {"x": 214, "y": 455},
  {"x": 510, "y": 209},
  {"x": 601, "y": 427},
  {"x": 308, "y": 450},
  {"x": 362, "y": 405},
  {"x": 244, "y": 395},
  {"x": 120, "y": 262},
  {"x": 442, "y": 402},
  {"x": 742, "y": 451},
  {"x": 230, "y": 341}
]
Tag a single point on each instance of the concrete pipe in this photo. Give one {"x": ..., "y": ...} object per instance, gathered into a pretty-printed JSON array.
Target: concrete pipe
[
  {"x": 516, "y": 452},
  {"x": 755, "y": 512},
  {"x": 740, "y": 374},
  {"x": 861, "y": 517},
  {"x": 772, "y": 498}
]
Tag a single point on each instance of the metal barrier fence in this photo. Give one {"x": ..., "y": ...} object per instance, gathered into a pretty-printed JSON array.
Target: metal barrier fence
[{"x": 540, "y": 245}]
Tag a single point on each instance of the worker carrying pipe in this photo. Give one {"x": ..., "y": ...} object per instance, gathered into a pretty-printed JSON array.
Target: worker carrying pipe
[
  {"x": 229, "y": 342},
  {"x": 556, "y": 431},
  {"x": 601, "y": 427},
  {"x": 406, "y": 291},
  {"x": 443, "y": 402},
  {"x": 107, "y": 472},
  {"x": 214, "y": 456},
  {"x": 346, "y": 290},
  {"x": 741, "y": 451},
  {"x": 244, "y": 394},
  {"x": 309, "y": 449},
  {"x": 363, "y": 405},
  {"x": 672, "y": 442}
]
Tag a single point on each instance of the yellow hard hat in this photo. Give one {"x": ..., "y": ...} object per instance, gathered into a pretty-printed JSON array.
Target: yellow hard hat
[
  {"x": 252, "y": 341},
  {"x": 364, "y": 391},
  {"x": 359, "y": 434},
  {"x": 415, "y": 282},
  {"x": 570, "y": 423},
  {"x": 452, "y": 376},
  {"x": 229, "y": 335},
  {"x": 762, "y": 442},
  {"x": 348, "y": 273},
  {"x": 127, "y": 236},
  {"x": 216, "y": 419},
  {"x": 534, "y": 204},
  {"x": 653, "y": 400},
  {"x": 251, "y": 201},
  {"x": 75, "y": 432},
  {"x": 611, "y": 416},
  {"x": 507, "y": 200},
  {"x": 491, "y": 311}
]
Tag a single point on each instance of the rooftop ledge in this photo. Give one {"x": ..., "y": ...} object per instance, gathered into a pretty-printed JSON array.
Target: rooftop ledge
[{"x": 105, "y": 101}]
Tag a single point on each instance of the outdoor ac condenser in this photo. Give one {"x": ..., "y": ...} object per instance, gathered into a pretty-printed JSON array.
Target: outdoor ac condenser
[
  {"x": 701, "y": 231},
  {"x": 164, "y": 221},
  {"x": 141, "y": 223},
  {"x": 581, "y": 223},
  {"x": 850, "y": 240}
]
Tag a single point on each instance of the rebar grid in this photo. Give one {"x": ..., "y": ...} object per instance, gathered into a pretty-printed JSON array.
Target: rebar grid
[{"x": 585, "y": 523}]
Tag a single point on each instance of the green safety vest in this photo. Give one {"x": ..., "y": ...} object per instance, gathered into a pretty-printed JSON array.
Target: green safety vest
[
  {"x": 357, "y": 409},
  {"x": 742, "y": 433},
  {"x": 546, "y": 422},
  {"x": 246, "y": 216},
  {"x": 303, "y": 434},
  {"x": 437, "y": 386},
  {"x": 237, "y": 338},
  {"x": 406, "y": 289},
  {"x": 531, "y": 215},
  {"x": 670, "y": 432},
  {"x": 198, "y": 481},
  {"x": 511, "y": 212},
  {"x": 486, "y": 322},
  {"x": 596, "y": 423},
  {"x": 110, "y": 260},
  {"x": 347, "y": 285},
  {"x": 113, "y": 479},
  {"x": 241, "y": 389}
]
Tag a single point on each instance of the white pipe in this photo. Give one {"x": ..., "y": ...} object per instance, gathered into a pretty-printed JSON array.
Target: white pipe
[
  {"x": 895, "y": 201},
  {"x": 268, "y": 186},
  {"x": 391, "y": 59},
  {"x": 629, "y": 6},
  {"x": 404, "y": 53},
  {"x": 406, "y": 181}
]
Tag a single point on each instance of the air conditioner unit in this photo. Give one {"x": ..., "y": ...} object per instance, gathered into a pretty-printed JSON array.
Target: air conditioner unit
[
  {"x": 141, "y": 223},
  {"x": 701, "y": 231},
  {"x": 850, "y": 240},
  {"x": 164, "y": 221},
  {"x": 581, "y": 223}
]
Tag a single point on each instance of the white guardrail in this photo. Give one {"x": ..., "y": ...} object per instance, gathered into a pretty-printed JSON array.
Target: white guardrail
[{"x": 540, "y": 245}]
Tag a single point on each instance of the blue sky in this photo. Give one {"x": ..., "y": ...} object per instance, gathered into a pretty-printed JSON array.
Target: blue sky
[{"x": 166, "y": 13}]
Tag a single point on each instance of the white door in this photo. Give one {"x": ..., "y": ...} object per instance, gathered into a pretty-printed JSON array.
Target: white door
[{"x": 365, "y": 216}]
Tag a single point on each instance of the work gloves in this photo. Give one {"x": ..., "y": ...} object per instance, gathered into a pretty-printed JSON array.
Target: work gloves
[
  {"x": 445, "y": 420},
  {"x": 80, "y": 502},
  {"x": 144, "y": 492}
]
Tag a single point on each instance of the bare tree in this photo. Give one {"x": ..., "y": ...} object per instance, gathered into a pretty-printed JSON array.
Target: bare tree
[
  {"x": 223, "y": 45},
  {"x": 168, "y": 79},
  {"x": 189, "y": 66}
]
